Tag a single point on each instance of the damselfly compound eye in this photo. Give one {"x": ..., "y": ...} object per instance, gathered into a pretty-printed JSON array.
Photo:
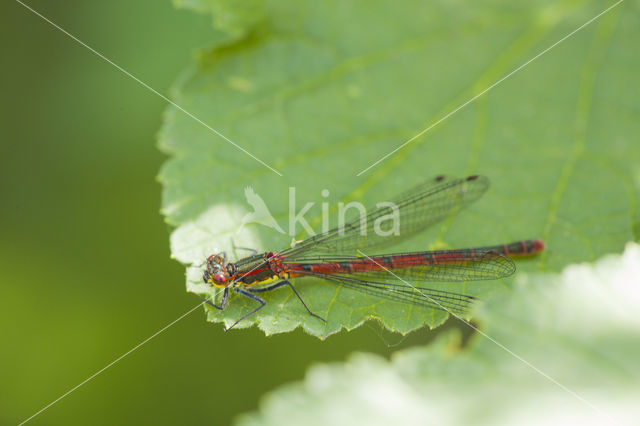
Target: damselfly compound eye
[{"x": 220, "y": 279}]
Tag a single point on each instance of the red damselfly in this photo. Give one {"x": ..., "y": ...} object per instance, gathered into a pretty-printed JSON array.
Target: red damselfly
[{"x": 344, "y": 255}]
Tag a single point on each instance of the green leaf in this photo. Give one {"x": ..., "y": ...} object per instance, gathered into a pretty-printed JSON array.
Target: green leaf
[
  {"x": 580, "y": 328},
  {"x": 321, "y": 90},
  {"x": 233, "y": 17}
]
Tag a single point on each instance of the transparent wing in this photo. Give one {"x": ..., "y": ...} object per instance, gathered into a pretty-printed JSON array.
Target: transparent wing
[
  {"x": 412, "y": 295},
  {"x": 415, "y": 210}
]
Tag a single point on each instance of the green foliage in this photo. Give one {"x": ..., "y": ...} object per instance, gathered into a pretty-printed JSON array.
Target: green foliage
[
  {"x": 231, "y": 16},
  {"x": 587, "y": 337},
  {"x": 321, "y": 90}
]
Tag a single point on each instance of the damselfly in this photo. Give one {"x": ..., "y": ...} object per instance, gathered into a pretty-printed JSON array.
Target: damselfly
[{"x": 345, "y": 256}]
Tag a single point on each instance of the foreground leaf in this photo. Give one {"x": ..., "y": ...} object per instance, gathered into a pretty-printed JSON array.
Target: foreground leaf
[
  {"x": 580, "y": 328},
  {"x": 321, "y": 90}
]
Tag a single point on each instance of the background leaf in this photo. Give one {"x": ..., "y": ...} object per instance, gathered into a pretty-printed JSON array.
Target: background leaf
[
  {"x": 587, "y": 337},
  {"x": 232, "y": 17},
  {"x": 320, "y": 91}
]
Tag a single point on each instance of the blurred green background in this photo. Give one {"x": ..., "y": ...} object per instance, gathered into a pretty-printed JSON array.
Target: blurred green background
[{"x": 85, "y": 270}]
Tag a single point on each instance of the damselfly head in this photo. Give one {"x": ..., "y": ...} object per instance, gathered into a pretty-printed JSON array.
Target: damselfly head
[{"x": 216, "y": 273}]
